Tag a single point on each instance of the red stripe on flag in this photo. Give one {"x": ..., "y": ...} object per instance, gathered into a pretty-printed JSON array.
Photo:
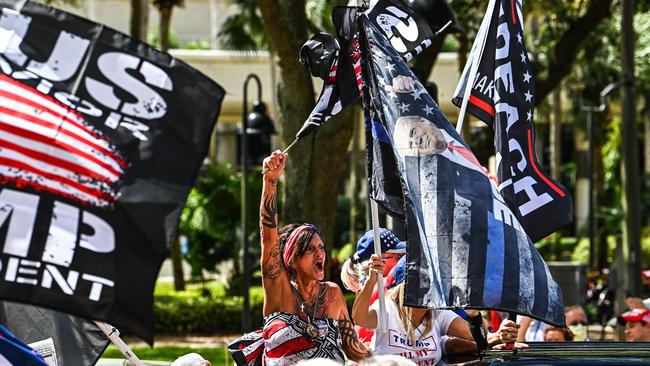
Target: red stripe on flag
[
  {"x": 290, "y": 347},
  {"x": 98, "y": 194},
  {"x": 19, "y": 182},
  {"x": 65, "y": 117},
  {"x": 34, "y": 119},
  {"x": 481, "y": 104},
  {"x": 512, "y": 6},
  {"x": 539, "y": 173},
  {"x": 57, "y": 144},
  {"x": 51, "y": 160},
  {"x": 274, "y": 326}
]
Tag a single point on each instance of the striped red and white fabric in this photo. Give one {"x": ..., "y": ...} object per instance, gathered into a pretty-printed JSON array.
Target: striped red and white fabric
[
  {"x": 48, "y": 146},
  {"x": 285, "y": 342}
]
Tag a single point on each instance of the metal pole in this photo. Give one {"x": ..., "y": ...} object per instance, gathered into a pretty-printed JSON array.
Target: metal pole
[
  {"x": 629, "y": 164},
  {"x": 114, "y": 336},
  {"x": 381, "y": 321},
  {"x": 246, "y": 314},
  {"x": 590, "y": 187}
]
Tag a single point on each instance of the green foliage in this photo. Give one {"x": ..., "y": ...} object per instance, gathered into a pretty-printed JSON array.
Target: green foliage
[
  {"x": 342, "y": 220},
  {"x": 244, "y": 30},
  {"x": 211, "y": 218},
  {"x": 188, "y": 312},
  {"x": 555, "y": 247},
  {"x": 153, "y": 38},
  {"x": 212, "y": 354},
  {"x": 199, "y": 44},
  {"x": 345, "y": 252},
  {"x": 581, "y": 252}
]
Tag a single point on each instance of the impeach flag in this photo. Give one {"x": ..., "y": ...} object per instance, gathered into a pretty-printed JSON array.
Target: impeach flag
[
  {"x": 503, "y": 96},
  {"x": 466, "y": 248},
  {"x": 101, "y": 137}
]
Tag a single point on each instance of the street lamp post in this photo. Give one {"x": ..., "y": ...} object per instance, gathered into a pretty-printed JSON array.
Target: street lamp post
[
  {"x": 258, "y": 124},
  {"x": 590, "y": 165}
]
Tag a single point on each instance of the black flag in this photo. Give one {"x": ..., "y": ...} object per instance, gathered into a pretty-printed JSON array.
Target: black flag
[
  {"x": 406, "y": 30},
  {"x": 503, "y": 96},
  {"x": 101, "y": 138},
  {"x": 466, "y": 248},
  {"x": 77, "y": 341}
]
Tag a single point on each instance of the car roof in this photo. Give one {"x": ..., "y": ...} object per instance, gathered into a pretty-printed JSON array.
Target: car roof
[{"x": 565, "y": 354}]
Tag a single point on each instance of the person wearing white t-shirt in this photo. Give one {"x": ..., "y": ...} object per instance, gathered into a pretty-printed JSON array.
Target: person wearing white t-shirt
[{"x": 413, "y": 333}]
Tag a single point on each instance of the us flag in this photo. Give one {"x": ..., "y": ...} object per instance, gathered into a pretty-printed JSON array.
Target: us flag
[
  {"x": 47, "y": 146},
  {"x": 503, "y": 96},
  {"x": 466, "y": 247}
]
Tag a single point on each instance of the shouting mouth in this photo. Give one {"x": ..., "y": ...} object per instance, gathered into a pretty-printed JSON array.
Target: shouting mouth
[{"x": 319, "y": 265}]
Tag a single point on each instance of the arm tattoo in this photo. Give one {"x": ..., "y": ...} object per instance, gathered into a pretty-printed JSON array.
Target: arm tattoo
[
  {"x": 271, "y": 268},
  {"x": 351, "y": 344},
  {"x": 269, "y": 213}
]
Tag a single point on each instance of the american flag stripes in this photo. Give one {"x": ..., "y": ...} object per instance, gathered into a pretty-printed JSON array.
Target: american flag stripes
[
  {"x": 465, "y": 246},
  {"x": 47, "y": 146}
]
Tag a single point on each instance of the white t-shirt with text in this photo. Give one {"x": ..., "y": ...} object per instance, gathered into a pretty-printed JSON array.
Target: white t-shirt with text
[{"x": 427, "y": 348}]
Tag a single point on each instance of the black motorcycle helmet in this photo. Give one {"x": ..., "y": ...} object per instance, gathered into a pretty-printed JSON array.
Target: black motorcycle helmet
[{"x": 318, "y": 54}]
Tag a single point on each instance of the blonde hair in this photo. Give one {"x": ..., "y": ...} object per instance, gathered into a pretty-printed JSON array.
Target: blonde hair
[
  {"x": 406, "y": 313},
  {"x": 352, "y": 274}
]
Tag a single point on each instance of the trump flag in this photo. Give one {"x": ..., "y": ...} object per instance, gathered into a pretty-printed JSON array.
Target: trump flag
[
  {"x": 466, "y": 247},
  {"x": 101, "y": 137}
]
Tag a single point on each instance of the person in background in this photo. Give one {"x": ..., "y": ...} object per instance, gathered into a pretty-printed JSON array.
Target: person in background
[
  {"x": 355, "y": 269},
  {"x": 414, "y": 333},
  {"x": 576, "y": 319},
  {"x": 637, "y": 325},
  {"x": 530, "y": 330},
  {"x": 354, "y": 272},
  {"x": 555, "y": 334},
  {"x": 634, "y": 302}
]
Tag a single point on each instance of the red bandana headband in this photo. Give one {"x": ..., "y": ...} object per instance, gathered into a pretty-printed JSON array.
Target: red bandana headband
[{"x": 292, "y": 240}]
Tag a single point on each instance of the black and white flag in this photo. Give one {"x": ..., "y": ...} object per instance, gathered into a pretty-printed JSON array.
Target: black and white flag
[
  {"x": 407, "y": 32},
  {"x": 466, "y": 247},
  {"x": 503, "y": 96},
  {"x": 101, "y": 138}
]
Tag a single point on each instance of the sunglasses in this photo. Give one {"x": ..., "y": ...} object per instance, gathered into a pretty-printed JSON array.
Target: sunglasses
[{"x": 578, "y": 323}]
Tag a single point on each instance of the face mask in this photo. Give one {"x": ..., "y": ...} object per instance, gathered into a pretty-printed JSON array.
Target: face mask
[{"x": 579, "y": 331}]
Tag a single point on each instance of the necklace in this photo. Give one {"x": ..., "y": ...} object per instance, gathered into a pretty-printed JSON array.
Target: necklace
[{"x": 311, "y": 330}]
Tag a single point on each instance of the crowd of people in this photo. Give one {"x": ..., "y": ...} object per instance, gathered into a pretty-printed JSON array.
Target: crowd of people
[{"x": 306, "y": 318}]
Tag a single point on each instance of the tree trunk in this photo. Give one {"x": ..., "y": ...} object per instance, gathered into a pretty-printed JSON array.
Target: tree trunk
[
  {"x": 177, "y": 265},
  {"x": 165, "y": 20},
  {"x": 314, "y": 163},
  {"x": 139, "y": 19},
  {"x": 568, "y": 45}
]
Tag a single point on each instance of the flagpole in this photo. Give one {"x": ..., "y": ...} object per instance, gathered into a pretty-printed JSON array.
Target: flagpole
[
  {"x": 114, "y": 336},
  {"x": 475, "y": 63},
  {"x": 374, "y": 213},
  {"x": 284, "y": 152}
]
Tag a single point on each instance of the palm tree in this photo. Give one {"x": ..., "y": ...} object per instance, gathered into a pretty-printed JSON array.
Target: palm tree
[
  {"x": 139, "y": 19},
  {"x": 165, "y": 8}
]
